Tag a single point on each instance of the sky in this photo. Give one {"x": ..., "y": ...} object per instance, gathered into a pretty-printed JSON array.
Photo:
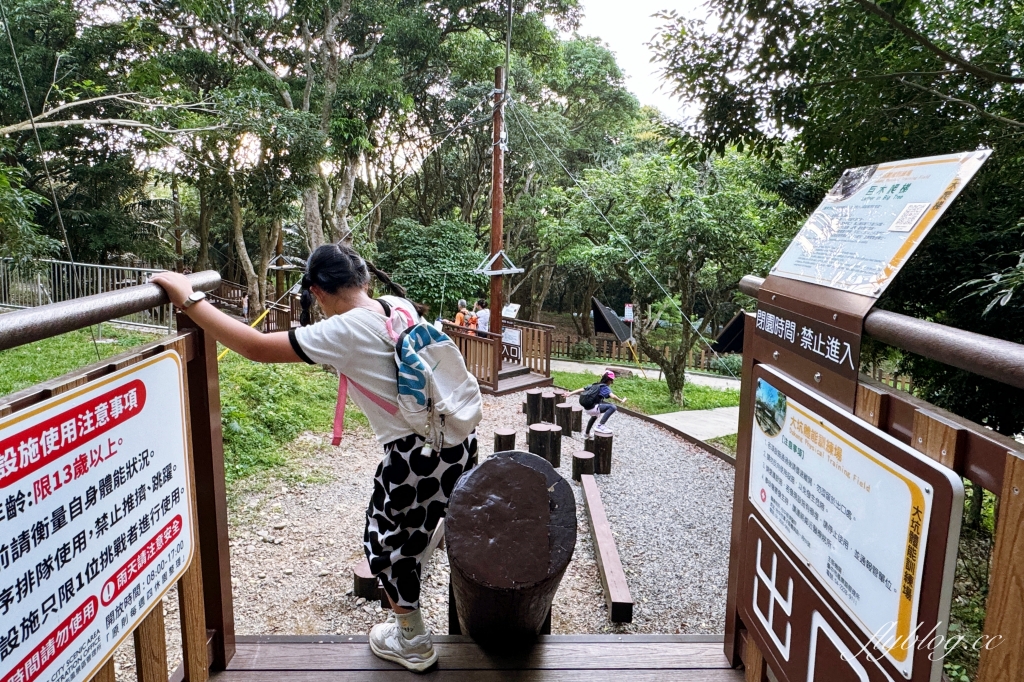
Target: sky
[{"x": 625, "y": 26}]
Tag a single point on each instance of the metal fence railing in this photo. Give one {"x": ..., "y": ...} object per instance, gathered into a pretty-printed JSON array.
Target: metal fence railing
[{"x": 54, "y": 281}]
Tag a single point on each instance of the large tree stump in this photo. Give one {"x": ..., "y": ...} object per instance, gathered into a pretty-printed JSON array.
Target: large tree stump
[
  {"x": 511, "y": 530},
  {"x": 577, "y": 418},
  {"x": 504, "y": 440},
  {"x": 538, "y": 441},
  {"x": 582, "y": 463},
  {"x": 603, "y": 453},
  {"x": 547, "y": 407},
  {"x": 563, "y": 417},
  {"x": 533, "y": 411},
  {"x": 588, "y": 444}
]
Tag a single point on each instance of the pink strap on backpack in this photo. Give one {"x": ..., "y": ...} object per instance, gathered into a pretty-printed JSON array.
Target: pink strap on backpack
[{"x": 339, "y": 409}]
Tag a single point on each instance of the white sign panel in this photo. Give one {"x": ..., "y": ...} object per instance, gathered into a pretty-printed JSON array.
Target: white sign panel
[
  {"x": 95, "y": 519},
  {"x": 871, "y": 222},
  {"x": 857, "y": 520},
  {"x": 629, "y": 312},
  {"x": 510, "y": 310}
]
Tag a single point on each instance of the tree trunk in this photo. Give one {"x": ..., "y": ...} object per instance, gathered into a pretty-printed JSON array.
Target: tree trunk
[
  {"x": 313, "y": 221},
  {"x": 268, "y": 248},
  {"x": 253, "y": 285},
  {"x": 342, "y": 201},
  {"x": 974, "y": 507},
  {"x": 203, "y": 260}
]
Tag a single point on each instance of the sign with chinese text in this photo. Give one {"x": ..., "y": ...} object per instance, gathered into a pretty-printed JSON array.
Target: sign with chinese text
[
  {"x": 873, "y": 219},
  {"x": 831, "y": 347},
  {"x": 856, "y": 523},
  {"x": 512, "y": 344},
  {"x": 629, "y": 312},
  {"x": 95, "y": 519}
]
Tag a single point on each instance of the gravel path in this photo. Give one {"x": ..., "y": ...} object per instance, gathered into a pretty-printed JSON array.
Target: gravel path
[{"x": 296, "y": 533}]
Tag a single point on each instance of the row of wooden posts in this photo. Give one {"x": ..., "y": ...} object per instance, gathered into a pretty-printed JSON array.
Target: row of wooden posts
[{"x": 550, "y": 417}]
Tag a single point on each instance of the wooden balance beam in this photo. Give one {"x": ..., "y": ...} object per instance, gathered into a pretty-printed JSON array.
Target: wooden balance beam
[{"x": 613, "y": 578}]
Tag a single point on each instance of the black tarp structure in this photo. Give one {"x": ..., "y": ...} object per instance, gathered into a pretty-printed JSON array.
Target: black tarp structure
[
  {"x": 607, "y": 321},
  {"x": 730, "y": 339}
]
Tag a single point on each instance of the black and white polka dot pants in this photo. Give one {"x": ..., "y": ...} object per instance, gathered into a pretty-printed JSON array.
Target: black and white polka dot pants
[{"x": 410, "y": 496}]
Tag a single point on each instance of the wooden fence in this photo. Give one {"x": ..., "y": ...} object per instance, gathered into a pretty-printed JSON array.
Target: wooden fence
[
  {"x": 204, "y": 591},
  {"x": 481, "y": 351}
]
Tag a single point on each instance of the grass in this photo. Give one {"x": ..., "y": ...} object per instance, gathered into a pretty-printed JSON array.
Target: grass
[
  {"x": 652, "y": 397},
  {"x": 264, "y": 407},
  {"x": 726, "y": 444},
  {"x": 25, "y": 366}
]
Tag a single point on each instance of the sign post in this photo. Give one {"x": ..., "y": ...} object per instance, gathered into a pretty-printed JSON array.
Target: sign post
[
  {"x": 96, "y": 523},
  {"x": 844, "y": 538}
]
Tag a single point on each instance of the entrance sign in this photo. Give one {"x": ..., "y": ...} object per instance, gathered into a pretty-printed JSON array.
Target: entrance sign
[
  {"x": 873, "y": 219},
  {"x": 95, "y": 521},
  {"x": 842, "y": 522}
]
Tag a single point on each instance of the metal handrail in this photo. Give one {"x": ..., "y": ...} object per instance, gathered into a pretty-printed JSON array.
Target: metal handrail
[
  {"x": 995, "y": 359},
  {"x": 513, "y": 322},
  {"x": 42, "y": 322}
]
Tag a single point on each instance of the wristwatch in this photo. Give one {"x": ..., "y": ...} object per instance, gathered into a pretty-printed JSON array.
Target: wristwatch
[{"x": 193, "y": 298}]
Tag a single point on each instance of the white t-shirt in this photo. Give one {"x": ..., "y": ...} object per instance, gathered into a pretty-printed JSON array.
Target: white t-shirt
[
  {"x": 355, "y": 344},
  {"x": 483, "y": 319}
]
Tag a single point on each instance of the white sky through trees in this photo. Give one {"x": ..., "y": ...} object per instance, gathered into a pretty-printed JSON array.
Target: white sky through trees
[{"x": 625, "y": 26}]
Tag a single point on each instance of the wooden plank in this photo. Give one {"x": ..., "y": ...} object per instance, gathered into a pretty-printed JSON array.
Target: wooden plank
[
  {"x": 872, "y": 405},
  {"x": 395, "y": 674},
  {"x": 942, "y": 440},
  {"x": 613, "y": 578},
  {"x": 469, "y": 656},
  {"x": 106, "y": 673},
  {"x": 755, "y": 669},
  {"x": 151, "y": 647},
  {"x": 1004, "y": 621}
]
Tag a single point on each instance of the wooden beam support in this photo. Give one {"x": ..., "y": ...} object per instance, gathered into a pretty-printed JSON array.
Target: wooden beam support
[
  {"x": 1002, "y": 655},
  {"x": 151, "y": 646},
  {"x": 613, "y": 577},
  {"x": 872, "y": 405},
  {"x": 940, "y": 439}
]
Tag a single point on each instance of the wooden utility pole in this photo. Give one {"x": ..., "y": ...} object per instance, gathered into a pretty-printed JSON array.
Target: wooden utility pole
[{"x": 497, "y": 197}]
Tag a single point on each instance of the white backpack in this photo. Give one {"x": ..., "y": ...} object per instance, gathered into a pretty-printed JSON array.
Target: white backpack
[{"x": 437, "y": 395}]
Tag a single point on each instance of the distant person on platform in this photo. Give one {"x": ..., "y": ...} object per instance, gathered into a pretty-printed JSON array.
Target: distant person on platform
[
  {"x": 462, "y": 317},
  {"x": 245, "y": 307},
  {"x": 483, "y": 315},
  {"x": 592, "y": 400}
]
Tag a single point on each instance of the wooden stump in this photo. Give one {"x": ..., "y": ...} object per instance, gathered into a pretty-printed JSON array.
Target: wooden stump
[
  {"x": 547, "y": 407},
  {"x": 582, "y": 463},
  {"x": 506, "y": 564},
  {"x": 577, "y": 418},
  {"x": 538, "y": 441},
  {"x": 364, "y": 583},
  {"x": 504, "y": 440},
  {"x": 524, "y": 407},
  {"x": 555, "y": 445},
  {"x": 563, "y": 417},
  {"x": 588, "y": 444},
  {"x": 603, "y": 453},
  {"x": 533, "y": 415}
]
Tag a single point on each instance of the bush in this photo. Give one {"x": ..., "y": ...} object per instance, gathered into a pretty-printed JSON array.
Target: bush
[
  {"x": 731, "y": 364},
  {"x": 582, "y": 351}
]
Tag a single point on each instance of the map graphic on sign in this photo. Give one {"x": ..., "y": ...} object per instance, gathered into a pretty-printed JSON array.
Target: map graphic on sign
[
  {"x": 95, "y": 519},
  {"x": 829, "y": 495},
  {"x": 873, "y": 220}
]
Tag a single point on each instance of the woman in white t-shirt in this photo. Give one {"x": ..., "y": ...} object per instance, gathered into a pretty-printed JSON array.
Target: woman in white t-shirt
[{"x": 411, "y": 490}]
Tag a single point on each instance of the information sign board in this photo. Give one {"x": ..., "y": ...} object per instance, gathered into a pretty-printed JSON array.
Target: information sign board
[
  {"x": 629, "y": 312},
  {"x": 95, "y": 521},
  {"x": 873, "y": 219},
  {"x": 512, "y": 344},
  {"x": 858, "y": 516}
]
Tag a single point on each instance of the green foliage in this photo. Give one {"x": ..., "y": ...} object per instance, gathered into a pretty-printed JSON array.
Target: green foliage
[
  {"x": 433, "y": 262},
  {"x": 726, "y": 444},
  {"x": 650, "y": 396},
  {"x": 19, "y": 235},
  {"x": 582, "y": 351},
  {"x": 30, "y": 364},
  {"x": 264, "y": 407},
  {"x": 731, "y": 364}
]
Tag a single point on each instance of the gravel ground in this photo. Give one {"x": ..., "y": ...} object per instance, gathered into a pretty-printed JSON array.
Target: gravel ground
[{"x": 296, "y": 533}]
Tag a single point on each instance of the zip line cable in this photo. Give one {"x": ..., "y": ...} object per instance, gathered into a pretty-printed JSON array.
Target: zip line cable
[
  {"x": 519, "y": 119},
  {"x": 46, "y": 169}
]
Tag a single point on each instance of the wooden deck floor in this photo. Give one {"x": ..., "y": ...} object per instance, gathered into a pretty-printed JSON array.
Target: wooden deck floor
[{"x": 572, "y": 658}]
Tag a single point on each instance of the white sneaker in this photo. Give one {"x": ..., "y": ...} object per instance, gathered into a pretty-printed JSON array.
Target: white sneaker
[
  {"x": 388, "y": 642},
  {"x": 601, "y": 428}
]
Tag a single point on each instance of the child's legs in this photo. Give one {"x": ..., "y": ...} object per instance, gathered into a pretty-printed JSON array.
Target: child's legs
[
  {"x": 607, "y": 410},
  {"x": 410, "y": 496}
]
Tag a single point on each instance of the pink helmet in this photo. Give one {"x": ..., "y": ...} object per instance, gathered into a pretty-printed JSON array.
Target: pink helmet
[{"x": 609, "y": 375}]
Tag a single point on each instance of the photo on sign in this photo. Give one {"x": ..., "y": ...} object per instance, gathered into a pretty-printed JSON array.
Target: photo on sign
[
  {"x": 850, "y": 183},
  {"x": 769, "y": 408}
]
